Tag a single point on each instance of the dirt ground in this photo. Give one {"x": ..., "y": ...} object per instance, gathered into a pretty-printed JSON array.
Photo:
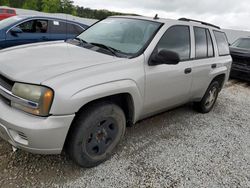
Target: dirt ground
[{"x": 179, "y": 148}]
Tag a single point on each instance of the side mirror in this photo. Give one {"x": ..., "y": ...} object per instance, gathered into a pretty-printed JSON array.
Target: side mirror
[
  {"x": 165, "y": 57},
  {"x": 16, "y": 30}
]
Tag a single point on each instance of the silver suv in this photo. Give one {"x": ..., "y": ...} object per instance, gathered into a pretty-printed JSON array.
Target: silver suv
[{"x": 80, "y": 95}]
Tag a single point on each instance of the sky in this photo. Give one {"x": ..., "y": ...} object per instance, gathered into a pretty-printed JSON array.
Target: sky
[{"x": 228, "y": 14}]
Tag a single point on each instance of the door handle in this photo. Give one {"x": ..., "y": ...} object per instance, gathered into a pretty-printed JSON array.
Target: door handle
[
  {"x": 214, "y": 66},
  {"x": 187, "y": 70}
]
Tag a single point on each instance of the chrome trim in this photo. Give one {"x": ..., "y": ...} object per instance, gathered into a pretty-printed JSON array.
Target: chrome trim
[{"x": 9, "y": 95}]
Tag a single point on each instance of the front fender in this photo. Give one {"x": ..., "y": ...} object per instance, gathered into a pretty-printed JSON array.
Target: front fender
[{"x": 82, "y": 97}]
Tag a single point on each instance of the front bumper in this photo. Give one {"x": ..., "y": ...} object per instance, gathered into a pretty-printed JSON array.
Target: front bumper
[{"x": 31, "y": 133}]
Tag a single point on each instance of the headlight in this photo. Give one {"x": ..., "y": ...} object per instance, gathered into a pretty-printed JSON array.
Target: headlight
[{"x": 33, "y": 99}]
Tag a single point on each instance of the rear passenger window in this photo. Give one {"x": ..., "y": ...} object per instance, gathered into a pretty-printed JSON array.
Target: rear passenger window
[
  {"x": 222, "y": 43},
  {"x": 176, "y": 39},
  {"x": 200, "y": 42},
  {"x": 74, "y": 29},
  {"x": 203, "y": 43},
  {"x": 1, "y": 11},
  {"x": 57, "y": 27}
]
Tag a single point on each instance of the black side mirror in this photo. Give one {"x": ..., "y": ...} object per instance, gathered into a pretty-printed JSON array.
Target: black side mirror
[
  {"x": 164, "y": 57},
  {"x": 16, "y": 30}
]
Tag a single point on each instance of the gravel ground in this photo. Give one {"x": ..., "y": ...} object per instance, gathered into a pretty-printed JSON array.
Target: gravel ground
[{"x": 180, "y": 148}]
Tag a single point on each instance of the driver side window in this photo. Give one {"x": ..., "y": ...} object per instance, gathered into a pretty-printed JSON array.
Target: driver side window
[{"x": 176, "y": 39}]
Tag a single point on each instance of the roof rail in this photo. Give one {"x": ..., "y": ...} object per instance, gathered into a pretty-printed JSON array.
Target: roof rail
[{"x": 201, "y": 22}]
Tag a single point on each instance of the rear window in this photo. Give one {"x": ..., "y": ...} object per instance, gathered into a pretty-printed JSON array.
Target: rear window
[
  {"x": 57, "y": 27},
  {"x": 222, "y": 43}
]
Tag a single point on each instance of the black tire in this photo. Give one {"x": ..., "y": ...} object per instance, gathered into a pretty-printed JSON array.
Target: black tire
[
  {"x": 95, "y": 134},
  {"x": 203, "y": 106}
]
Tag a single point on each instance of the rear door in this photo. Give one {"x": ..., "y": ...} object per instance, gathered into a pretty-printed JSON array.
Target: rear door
[
  {"x": 204, "y": 61},
  {"x": 57, "y": 30},
  {"x": 33, "y": 31}
]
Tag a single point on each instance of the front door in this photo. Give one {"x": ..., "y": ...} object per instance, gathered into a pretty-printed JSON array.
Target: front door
[
  {"x": 32, "y": 31},
  {"x": 169, "y": 85}
]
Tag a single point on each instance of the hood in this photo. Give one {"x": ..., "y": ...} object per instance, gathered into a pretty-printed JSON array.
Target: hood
[
  {"x": 241, "y": 52},
  {"x": 37, "y": 63}
]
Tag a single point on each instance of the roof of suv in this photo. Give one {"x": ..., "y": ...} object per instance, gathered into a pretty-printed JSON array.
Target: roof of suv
[{"x": 166, "y": 20}]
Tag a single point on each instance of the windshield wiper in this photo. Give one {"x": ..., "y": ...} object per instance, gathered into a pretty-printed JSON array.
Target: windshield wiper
[
  {"x": 112, "y": 50},
  {"x": 81, "y": 40}
]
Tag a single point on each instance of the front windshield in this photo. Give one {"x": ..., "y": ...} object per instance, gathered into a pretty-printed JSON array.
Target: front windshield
[
  {"x": 242, "y": 43},
  {"x": 125, "y": 35},
  {"x": 9, "y": 21}
]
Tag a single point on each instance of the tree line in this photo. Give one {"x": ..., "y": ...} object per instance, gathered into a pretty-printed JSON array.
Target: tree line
[{"x": 59, "y": 6}]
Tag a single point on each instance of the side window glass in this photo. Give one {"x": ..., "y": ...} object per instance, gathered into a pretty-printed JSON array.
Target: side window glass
[
  {"x": 176, "y": 39},
  {"x": 74, "y": 29},
  {"x": 58, "y": 27},
  {"x": 222, "y": 43},
  {"x": 210, "y": 44},
  {"x": 10, "y": 11},
  {"x": 34, "y": 26},
  {"x": 200, "y": 42},
  {"x": 28, "y": 27}
]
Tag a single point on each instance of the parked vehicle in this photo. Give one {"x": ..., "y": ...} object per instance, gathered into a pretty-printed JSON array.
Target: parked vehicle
[
  {"x": 6, "y": 13},
  {"x": 80, "y": 95},
  {"x": 20, "y": 30},
  {"x": 240, "y": 52}
]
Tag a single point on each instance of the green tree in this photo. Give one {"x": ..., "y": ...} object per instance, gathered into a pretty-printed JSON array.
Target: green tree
[
  {"x": 51, "y": 6},
  {"x": 67, "y": 6},
  {"x": 4, "y": 3},
  {"x": 30, "y": 4},
  {"x": 17, "y": 3}
]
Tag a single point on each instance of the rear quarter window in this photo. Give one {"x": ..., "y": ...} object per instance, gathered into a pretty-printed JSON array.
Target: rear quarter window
[
  {"x": 222, "y": 43},
  {"x": 74, "y": 29}
]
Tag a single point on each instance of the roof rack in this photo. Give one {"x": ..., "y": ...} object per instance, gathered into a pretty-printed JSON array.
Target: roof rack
[{"x": 201, "y": 22}]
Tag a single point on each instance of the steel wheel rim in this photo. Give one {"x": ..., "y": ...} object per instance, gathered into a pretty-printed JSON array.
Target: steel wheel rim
[
  {"x": 211, "y": 98},
  {"x": 101, "y": 137}
]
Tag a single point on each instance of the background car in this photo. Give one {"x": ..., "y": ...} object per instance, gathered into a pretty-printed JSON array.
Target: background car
[
  {"x": 6, "y": 13},
  {"x": 20, "y": 30},
  {"x": 240, "y": 52}
]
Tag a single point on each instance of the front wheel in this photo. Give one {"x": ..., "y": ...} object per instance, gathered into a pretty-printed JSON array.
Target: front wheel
[
  {"x": 95, "y": 134},
  {"x": 209, "y": 99}
]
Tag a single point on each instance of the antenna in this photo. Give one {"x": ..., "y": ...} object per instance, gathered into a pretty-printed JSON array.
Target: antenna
[{"x": 156, "y": 17}]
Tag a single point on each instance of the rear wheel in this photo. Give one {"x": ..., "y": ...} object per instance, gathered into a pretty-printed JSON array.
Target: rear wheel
[
  {"x": 209, "y": 99},
  {"x": 95, "y": 134}
]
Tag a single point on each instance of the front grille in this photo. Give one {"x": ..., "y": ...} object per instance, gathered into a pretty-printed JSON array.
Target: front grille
[
  {"x": 6, "y": 83},
  {"x": 5, "y": 100}
]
